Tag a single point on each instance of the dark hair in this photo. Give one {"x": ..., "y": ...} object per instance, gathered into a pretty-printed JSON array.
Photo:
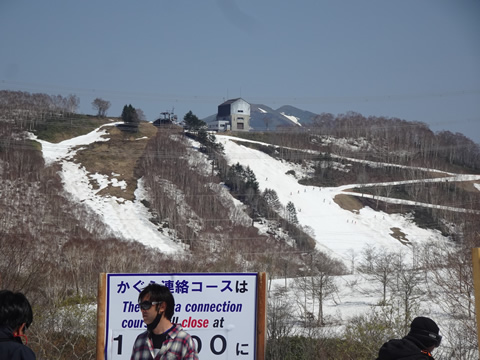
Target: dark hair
[
  {"x": 159, "y": 293},
  {"x": 14, "y": 309}
]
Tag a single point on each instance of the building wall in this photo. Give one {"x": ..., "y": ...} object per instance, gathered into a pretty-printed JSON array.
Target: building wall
[
  {"x": 219, "y": 125},
  {"x": 240, "y": 115},
  {"x": 236, "y": 112},
  {"x": 240, "y": 107}
]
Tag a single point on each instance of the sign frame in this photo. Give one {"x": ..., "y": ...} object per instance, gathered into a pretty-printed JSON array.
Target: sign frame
[{"x": 260, "y": 303}]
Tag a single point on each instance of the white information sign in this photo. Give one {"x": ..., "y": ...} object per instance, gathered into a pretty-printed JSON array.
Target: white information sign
[{"x": 218, "y": 310}]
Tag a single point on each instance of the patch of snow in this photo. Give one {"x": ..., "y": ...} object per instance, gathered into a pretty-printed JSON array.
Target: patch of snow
[
  {"x": 67, "y": 149},
  {"x": 126, "y": 219},
  {"x": 292, "y": 118}
]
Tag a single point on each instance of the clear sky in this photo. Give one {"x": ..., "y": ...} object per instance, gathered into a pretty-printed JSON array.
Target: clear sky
[{"x": 417, "y": 60}]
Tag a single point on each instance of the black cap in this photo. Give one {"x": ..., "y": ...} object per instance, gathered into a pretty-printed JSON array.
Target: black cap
[{"x": 426, "y": 331}]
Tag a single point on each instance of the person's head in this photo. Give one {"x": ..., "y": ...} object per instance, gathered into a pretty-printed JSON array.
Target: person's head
[
  {"x": 161, "y": 296},
  {"x": 426, "y": 331},
  {"x": 15, "y": 311}
]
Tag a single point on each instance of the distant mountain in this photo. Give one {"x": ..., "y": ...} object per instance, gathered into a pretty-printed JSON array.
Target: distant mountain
[{"x": 263, "y": 117}]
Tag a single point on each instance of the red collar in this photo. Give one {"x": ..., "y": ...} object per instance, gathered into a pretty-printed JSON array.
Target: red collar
[{"x": 427, "y": 353}]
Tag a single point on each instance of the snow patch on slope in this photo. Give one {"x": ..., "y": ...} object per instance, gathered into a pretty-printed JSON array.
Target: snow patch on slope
[
  {"x": 292, "y": 118},
  {"x": 126, "y": 219}
]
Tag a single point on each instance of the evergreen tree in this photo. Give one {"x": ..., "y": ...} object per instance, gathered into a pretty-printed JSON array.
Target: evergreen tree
[
  {"x": 269, "y": 204},
  {"x": 291, "y": 213},
  {"x": 251, "y": 189},
  {"x": 129, "y": 114},
  {"x": 250, "y": 180},
  {"x": 234, "y": 177},
  {"x": 192, "y": 122},
  {"x": 271, "y": 198}
]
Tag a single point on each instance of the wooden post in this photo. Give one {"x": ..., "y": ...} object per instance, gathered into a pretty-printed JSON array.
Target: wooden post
[
  {"x": 476, "y": 285},
  {"x": 261, "y": 316},
  {"x": 101, "y": 315}
]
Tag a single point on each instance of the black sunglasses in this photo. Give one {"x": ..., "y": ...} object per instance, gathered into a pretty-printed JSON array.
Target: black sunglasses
[{"x": 145, "y": 305}]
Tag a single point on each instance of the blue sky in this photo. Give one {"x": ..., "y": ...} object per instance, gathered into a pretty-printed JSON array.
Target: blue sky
[{"x": 415, "y": 60}]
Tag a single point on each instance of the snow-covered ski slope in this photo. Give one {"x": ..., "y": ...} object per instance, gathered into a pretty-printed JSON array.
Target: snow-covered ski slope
[
  {"x": 126, "y": 219},
  {"x": 337, "y": 231}
]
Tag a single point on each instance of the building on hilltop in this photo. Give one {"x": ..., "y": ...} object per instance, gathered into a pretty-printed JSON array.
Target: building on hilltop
[{"x": 233, "y": 114}]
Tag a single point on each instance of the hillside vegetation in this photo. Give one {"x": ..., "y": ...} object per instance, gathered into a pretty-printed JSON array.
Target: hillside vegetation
[{"x": 53, "y": 248}]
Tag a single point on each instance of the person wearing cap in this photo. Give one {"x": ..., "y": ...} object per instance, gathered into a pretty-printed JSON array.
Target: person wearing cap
[
  {"x": 15, "y": 317},
  {"x": 417, "y": 345},
  {"x": 162, "y": 340}
]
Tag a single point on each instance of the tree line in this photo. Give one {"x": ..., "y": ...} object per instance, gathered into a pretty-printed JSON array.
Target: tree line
[
  {"x": 378, "y": 138},
  {"x": 26, "y": 109}
]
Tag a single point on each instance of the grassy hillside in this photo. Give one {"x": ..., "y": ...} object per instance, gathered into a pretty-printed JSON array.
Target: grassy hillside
[{"x": 57, "y": 129}]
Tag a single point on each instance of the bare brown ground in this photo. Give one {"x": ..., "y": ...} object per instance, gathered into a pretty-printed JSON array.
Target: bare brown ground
[
  {"x": 399, "y": 235},
  {"x": 117, "y": 158},
  {"x": 349, "y": 203}
]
